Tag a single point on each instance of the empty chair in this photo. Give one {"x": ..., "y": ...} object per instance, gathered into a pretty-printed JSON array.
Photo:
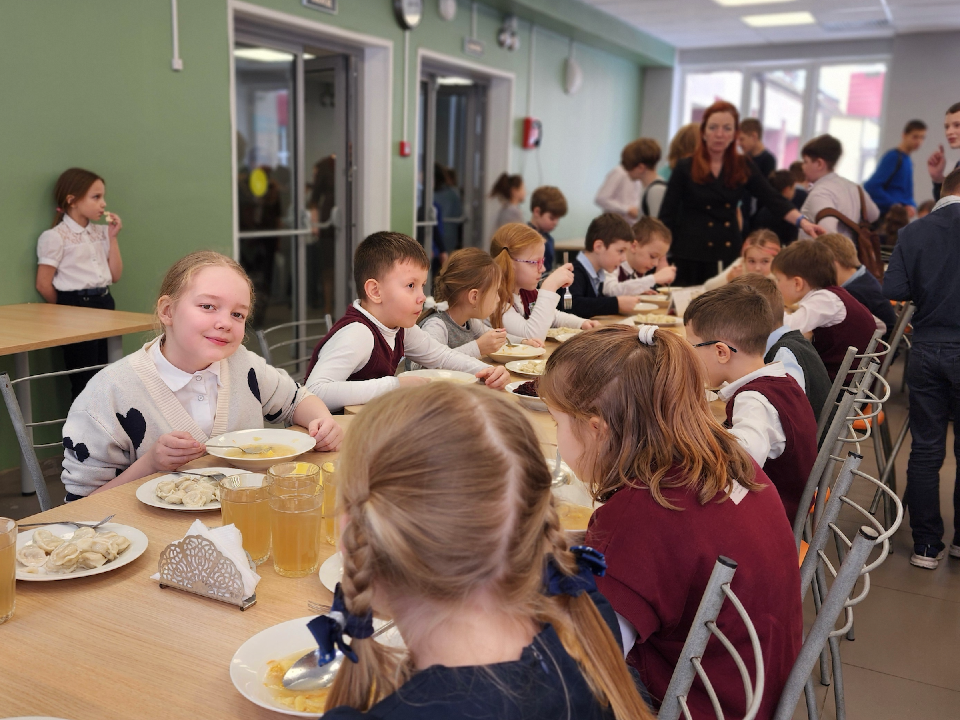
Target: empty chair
[{"x": 306, "y": 334}]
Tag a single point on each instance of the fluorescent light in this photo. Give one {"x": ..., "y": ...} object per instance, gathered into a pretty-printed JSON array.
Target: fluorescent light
[
  {"x": 262, "y": 55},
  {"x": 453, "y": 81},
  {"x": 736, "y": 3},
  {"x": 779, "y": 19}
]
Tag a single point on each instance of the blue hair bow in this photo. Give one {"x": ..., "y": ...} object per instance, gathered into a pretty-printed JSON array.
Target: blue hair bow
[
  {"x": 590, "y": 562},
  {"x": 328, "y": 630}
]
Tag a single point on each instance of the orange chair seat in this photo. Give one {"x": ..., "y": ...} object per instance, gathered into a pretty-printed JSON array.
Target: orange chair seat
[
  {"x": 813, "y": 505},
  {"x": 804, "y": 546},
  {"x": 863, "y": 424}
]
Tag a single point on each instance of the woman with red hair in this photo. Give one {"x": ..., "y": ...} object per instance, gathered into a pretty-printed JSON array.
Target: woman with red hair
[{"x": 704, "y": 192}]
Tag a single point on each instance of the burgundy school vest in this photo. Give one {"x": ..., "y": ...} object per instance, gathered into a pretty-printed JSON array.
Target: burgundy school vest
[
  {"x": 857, "y": 329},
  {"x": 790, "y": 471},
  {"x": 383, "y": 360},
  {"x": 624, "y": 275},
  {"x": 528, "y": 298}
]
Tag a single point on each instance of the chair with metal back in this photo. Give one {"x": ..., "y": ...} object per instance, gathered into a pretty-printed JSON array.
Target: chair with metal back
[
  {"x": 302, "y": 343},
  {"x": 704, "y": 625},
  {"x": 829, "y": 407}
]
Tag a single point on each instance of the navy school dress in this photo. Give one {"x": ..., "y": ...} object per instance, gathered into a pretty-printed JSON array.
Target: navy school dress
[{"x": 541, "y": 685}]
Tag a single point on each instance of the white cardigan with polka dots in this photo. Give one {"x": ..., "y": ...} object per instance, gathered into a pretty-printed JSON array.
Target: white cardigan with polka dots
[{"x": 126, "y": 407}]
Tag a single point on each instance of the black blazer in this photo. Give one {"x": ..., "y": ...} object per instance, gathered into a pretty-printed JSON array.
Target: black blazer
[
  {"x": 703, "y": 218},
  {"x": 586, "y": 302}
]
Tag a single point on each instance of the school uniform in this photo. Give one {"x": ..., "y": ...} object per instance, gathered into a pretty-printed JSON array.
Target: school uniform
[
  {"x": 82, "y": 279},
  {"x": 627, "y": 281},
  {"x": 659, "y": 562},
  {"x": 802, "y": 363},
  {"x": 837, "y": 321},
  {"x": 548, "y": 250},
  {"x": 533, "y": 312},
  {"x": 128, "y": 405},
  {"x": 545, "y": 683},
  {"x": 357, "y": 360},
  {"x": 462, "y": 338},
  {"x": 773, "y": 421},
  {"x": 833, "y": 191},
  {"x": 619, "y": 193},
  {"x": 587, "y": 290},
  {"x": 866, "y": 288}
]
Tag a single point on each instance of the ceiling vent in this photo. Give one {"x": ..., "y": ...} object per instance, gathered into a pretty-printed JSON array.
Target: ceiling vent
[{"x": 855, "y": 25}]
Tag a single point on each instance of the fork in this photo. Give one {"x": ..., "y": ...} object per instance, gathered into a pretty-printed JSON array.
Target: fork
[
  {"x": 68, "y": 522},
  {"x": 212, "y": 476}
]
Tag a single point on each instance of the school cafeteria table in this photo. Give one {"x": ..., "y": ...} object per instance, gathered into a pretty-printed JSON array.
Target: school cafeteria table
[
  {"x": 115, "y": 646},
  {"x": 35, "y": 326}
]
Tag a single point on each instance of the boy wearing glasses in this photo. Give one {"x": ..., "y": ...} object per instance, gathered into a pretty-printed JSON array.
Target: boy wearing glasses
[
  {"x": 767, "y": 410},
  {"x": 608, "y": 238}
]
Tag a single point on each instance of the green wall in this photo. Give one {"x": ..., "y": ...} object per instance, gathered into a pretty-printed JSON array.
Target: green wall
[{"x": 89, "y": 83}]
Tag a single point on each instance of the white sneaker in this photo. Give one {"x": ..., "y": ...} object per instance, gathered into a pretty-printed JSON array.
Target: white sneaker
[
  {"x": 955, "y": 551},
  {"x": 928, "y": 559}
]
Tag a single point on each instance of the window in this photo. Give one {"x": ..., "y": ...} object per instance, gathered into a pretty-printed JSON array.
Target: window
[
  {"x": 701, "y": 90},
  {"x": 849, "y": 105}
]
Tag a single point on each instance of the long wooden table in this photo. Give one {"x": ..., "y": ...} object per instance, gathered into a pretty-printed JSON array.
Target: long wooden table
[
  {"x": 35, "y": 326},
  {"x": 116, "y": 646}
]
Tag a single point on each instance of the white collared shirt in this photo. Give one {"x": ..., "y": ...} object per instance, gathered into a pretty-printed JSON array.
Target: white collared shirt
[
  {"x": 544, "y": 315},
  {"x": 592, "y": 272},
  {"x": 756, "y": 423},
  {"x": 634, "y": 285},
  {"x": 818, "y": 308},
  {"x": 833, "y": 191},
  {"x": 619, "y": 193},
  {"x": 197, "y": 392},
  {"x": 786, "y": 356},
  {"x": 78, "y": 253}
]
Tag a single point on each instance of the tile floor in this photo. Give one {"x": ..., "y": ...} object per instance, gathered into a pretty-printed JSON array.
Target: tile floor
[{"x": 905, "y": 661}]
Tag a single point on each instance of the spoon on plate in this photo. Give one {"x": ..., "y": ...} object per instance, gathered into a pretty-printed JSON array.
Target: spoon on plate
[
  {"x": 248, "y": 449},
  {"x": 305, "y": 674}
]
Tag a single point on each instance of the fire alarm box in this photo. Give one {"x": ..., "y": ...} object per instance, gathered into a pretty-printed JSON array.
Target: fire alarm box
[
  {"x": 404, "y": 148},
  {"x": 532, "y": 133}
]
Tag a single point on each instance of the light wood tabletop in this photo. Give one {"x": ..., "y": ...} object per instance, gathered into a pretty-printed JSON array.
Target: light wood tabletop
[
  {"x": 33, "y": 326},
  {"x": 116, "y": 646}
]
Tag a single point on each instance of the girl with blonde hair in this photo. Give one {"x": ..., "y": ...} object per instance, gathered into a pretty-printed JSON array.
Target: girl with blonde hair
[
  {"x": 756, "y": 256},
  {"x": 154, "y": 410},
  {"x": 465, "y": 551},
  {"x": 677, "y": 491},
  {"x": 523, "y": 310}
]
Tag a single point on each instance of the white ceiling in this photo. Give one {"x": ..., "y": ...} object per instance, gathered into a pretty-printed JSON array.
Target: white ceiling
[{"x": 703, "y": 23}]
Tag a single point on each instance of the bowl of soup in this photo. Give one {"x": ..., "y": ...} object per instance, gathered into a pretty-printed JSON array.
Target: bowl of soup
[{"x": 273, "y": 445}]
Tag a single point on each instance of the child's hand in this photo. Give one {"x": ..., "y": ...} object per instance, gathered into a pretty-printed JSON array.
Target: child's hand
[
  {"x": 491, "y": 341},
  {"x": 495, "y": 377},
  {"x": 734, "y": 272},
  {"x": 327, "y": 433},
  {"x": 633, "y": 211},
  {"x": 590, "y": 324},
  {"x": 114, "y": 224},
  {"x": 412, "y": 381},
  {"x": 173, "y": 449},
  {"x": 626, "y": 303},
  {"x": 561, "y": 277},
  {"x": 666, "y": 275},
  {"x": 533, "y": 342}
]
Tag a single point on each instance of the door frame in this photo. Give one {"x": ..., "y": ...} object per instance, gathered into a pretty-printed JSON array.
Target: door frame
[
  {"x": 499, "y": 122},
  {"x": 374, "y": 105}
]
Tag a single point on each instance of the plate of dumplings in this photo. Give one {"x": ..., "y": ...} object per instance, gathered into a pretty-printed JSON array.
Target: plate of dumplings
[
  {"x": 61, "y": 552},
  {"x": 190, "y": 492}
]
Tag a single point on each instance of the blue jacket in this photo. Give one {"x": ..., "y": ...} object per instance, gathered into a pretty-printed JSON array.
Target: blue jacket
[
  {"x": 923, "y": 268},
  {"x": 865, "y": 288},
  {"x": 891, "y": 184}
]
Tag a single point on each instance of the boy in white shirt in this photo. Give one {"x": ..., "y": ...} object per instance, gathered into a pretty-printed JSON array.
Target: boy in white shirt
[
  {"x": 621, "y": 190},
  {"x": 651, "y": 242},
  {"x": 358, "y": 358}
]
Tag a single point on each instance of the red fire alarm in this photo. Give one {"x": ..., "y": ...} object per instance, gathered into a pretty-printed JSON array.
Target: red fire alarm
[
  {"x": 404, "y": 148},
  {"x": 532, "y": 133}
]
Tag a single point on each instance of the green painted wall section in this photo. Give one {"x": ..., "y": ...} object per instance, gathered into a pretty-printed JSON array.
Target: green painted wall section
[{"x": 90, "y": 84}]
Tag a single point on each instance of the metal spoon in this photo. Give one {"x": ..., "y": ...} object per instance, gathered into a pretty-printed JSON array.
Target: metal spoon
[
  {"x": 558, "y": 478},
  {"x": 306, "y": 674},
  {"x": 249, "y": 449}
]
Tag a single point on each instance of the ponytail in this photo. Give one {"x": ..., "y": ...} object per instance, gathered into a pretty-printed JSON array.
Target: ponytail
[
  {"x": 74, "y": 183},
  {"x": 505, "y": 185}
]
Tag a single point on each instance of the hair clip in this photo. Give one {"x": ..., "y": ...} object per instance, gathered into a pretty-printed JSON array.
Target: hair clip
[
  {"x": 590, "y": 562},
  {"x": 431, "y": 304},
  {"x": 328, "y": 630},
  {"x": 645, "y": 333}
]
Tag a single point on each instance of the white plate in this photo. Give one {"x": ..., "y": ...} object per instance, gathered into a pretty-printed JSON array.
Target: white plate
[
  {"x": 147, "y": 493},
  {"x": 300, "y": 442},
  {"x": 138, "y": 543},
  {"x": 562, "y": 334},
  {"x": 514, "y": 367},
  {"x": 248, "y": 667},
  {"x": 331, "y": 571},
  {"x": 533, "y": 403},
  {"x": 520, "y": 352},
  {"x": 433, "y": 374},
  {"x": 666, "y": 321},
  {"x": 645, "y": 307}
]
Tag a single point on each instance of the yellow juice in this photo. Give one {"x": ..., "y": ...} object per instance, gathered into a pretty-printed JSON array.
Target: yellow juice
[
  {"x": 296, "y": 540},
  {"x": 8, "y": 579},
  {"x": 573, "y": 517},
  {"x": 330, "y": 529},
  {"x": 253, "y": 521}
]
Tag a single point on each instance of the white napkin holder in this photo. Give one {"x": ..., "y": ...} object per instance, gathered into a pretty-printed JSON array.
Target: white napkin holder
[{"x": 195, "y": 565}]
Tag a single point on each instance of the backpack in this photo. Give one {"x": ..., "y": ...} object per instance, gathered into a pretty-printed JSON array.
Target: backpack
[
  {"x": 866, "y": 238},
  {"x": 644, "y": 205}
]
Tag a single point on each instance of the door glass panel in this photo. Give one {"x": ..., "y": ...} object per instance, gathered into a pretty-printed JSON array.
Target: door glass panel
[
  {"x": 450, "y": 161},
  {"x": 702, "y": 89},
  {"x": 849, "y": 105}
]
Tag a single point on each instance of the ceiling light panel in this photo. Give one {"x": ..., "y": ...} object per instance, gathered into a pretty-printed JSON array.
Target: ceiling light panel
[
  {"x": 740, "y": 3},
  {"x": 779, "y": 19}
]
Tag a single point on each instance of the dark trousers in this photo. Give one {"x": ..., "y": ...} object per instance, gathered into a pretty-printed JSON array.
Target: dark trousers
[
  {"x": 934, "y": 379},
  {"x": 84, "y": 354},
  {"x": 694, "y": 272}
]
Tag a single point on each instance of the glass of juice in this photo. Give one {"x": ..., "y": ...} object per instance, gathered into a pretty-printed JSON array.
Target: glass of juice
[
  {"x": 573, "y": 517},
  {"x": 8, "y": 568},
  {"x": 244, "y": 501},
  {"x": 331, "y": 530},
  {"x": 296, "y": 516},
  {"x": 295, "y": 472}
]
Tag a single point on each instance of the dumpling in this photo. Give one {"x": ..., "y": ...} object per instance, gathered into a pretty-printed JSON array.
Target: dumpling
[
  {"x": 120, "y": 543},
  {"x": 46, "y": 540},
  {"x": 103, "y": 547},
  {"x": 90, "y": 560},
  {"x": 195, "y": 498},
  {"x": 174, "y": 498},
  {"x": 63, "y": 559},
  {"x": 83, "y": 532},
  {"x": 83, "y": 544},
  {"x": 32, "y": 556},
  {"x": 166, "y": 487},
  {"x": 186, "y": 485}
]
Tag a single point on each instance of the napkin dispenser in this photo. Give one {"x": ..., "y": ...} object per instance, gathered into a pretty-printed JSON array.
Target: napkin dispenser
[{"x": 194, "y": 565}]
